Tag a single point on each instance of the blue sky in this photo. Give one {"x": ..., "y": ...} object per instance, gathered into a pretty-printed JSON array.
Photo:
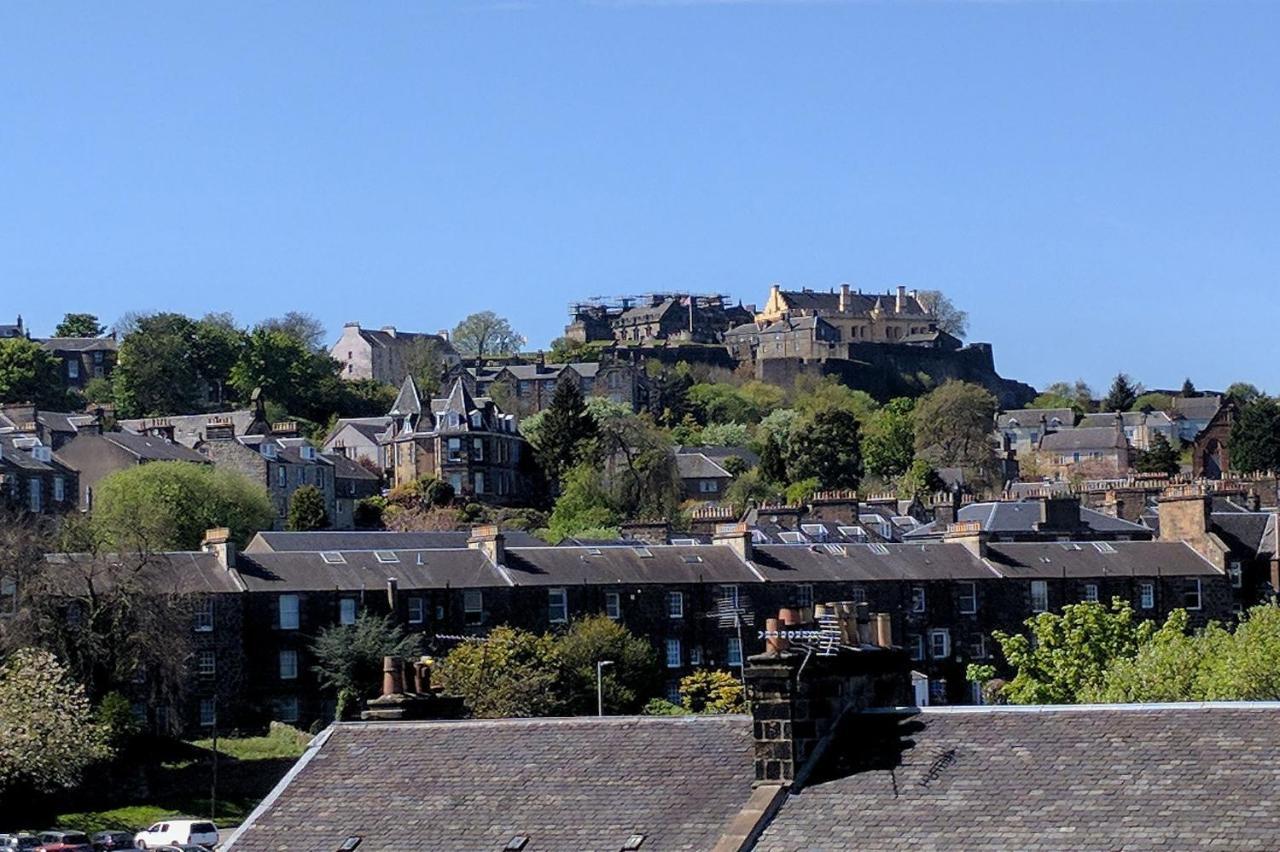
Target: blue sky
[{"x": 1097, "y": 183}]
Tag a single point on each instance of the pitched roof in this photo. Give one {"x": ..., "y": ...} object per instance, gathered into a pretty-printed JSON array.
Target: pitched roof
[
  {"x": 565, "y": 784},
  {"x": 177, "y": 572},
  {"x": 369, "y": 427},
  {"x": 858, "y": 303},
  {"x": 636, "y": 563},
  {"x": 1023, "y": 516},
  {"x": 280, "y": 542},
  {"x": 80, "y": 344},
  {"x": 1097, "y": 438},
  {"x": 1066, "y": 777},
  {"x": 1131, "y": 419},
  {"x": 345, "y": 468},
  {"x": 1036, "y": 560},
  {"x": 698, "y": 466},
  {"x": 807, "y": 563},
  {"x": 1033, "y": 417},
  {"x": 358, "y": 570},
  {"x": 147, "y": 448},
  {"x": 408, "y": 401},
  {"x": 1252, "y": 532},
  {"x": 1197, "y": 407},
  {"x": 191, "y": 429}
]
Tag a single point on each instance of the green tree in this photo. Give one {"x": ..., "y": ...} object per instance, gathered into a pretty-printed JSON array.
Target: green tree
[
  {"x": 79, "y": 325},
  {"x": 1067, "y": 656},
  {"x": 156, "y": 374},
  {"x": 1160, "y": 457},
  {"x": 1053, "y": 400},
  {"x": 99, "y": 390},
  {"x": 565, "y": 429},
  {"x": 919, "y": 478},
  {"x": 1123, "y": 393},
  {"x": 627, "y": 684},
  {"x": 724, "y": 435},
  {"x": 669, "y": 400},
  {"x": 170, "y": 505},
  {"x": 1255, "y": 436},
  {"x": 584, "y": 504},
  {"x": 811, "y": 397},
  {"x": 364, "y": 398},
  {"x": 1078, "y": 391},
  {"x": 638, "y": 462},
  {"x": 301, "y": 379},
  {"x": 485, "y": 334},
  {"x": 50, "y": 735},
  {"x": 751, "y": 487},
  {"x": 567, "y": 351},
  {"x": 215, "y": 351},
  {"x": 1153, "y": 401},
  {"x": 306, "y": 510},
  {"x": 827, "y": 446},
  {"x": 29, "y": 373},
  {"x": 721, "y": 403},
  {"x": 1243, "y": 393},
  {"x": 1188, "y": 388},
  {"x": 510, "y": 673},
  {"x": 949, "y": 318},
  {"x": 889, "y": 445},
  {"x": 711, "y": 691},
  {"x": 301, "y": 326},
  {"x": 349, "y": 656},
  {"x": 953, "y": 426}
]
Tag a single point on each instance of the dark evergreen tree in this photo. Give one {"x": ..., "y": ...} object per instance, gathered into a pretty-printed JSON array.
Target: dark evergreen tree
[
  {"x": 1188, "y": 389},
  {"x": 567, "y": 430},
  {"x": 1160, "y": 457},
  {"x": 306, "y": 510},
  {"x": 773, "y": 466},
  {"x": 1255, "y": 436},
  {"x": 828, "y": 447},
  {"x": 1122, "y": 395}
]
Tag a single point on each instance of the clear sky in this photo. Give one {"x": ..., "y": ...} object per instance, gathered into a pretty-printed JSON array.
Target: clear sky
[{"x": 1097, "y": 183}]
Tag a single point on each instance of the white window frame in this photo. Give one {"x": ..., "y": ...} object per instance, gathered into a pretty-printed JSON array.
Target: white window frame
[
  {"x": 1147, "y": 595},
  {"x": 557, "y": 605},
  {"x": 675, "y": 658},
  {"x": 207, "y": 663},
  {"x": 917, "y": 646},
  {"x": 473, "y": 605},
  {"x": 1039, "y": 595},
  {"x": 417, "y": 610},
  {"x": 1198, "y": 591},
  {"x": 73, "y": 369},
  {"x": 348, "y": 611},
  {"x": 287, "y": 661},
  {"x": 968, "y": 592},
  {"x": 1235, "y": 570},
  {"x": 204, "y": 615},
  {"x": 293, "y": 611},
  {"x": 613, "y": 605},
  {"x": 940, "y": 643},
  {"x": 695, "y": 655},
  {"x": 729, "y": 595},
  {"x": 675, "y": 604},
  {"x": 804, "y": 595},
  {"x": 59, "y": 489},
  {"x": 1091, "y": 593}
]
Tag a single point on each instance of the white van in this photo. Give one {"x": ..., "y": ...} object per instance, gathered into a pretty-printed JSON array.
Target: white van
[{"x": 196, "y": 832}]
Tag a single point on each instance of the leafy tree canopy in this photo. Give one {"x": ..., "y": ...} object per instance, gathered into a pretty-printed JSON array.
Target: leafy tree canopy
[
  {"x": 1160, "y": 457},
  {"x": 950, "y": 319},
  {"x": 157, "y": 373},
  {"x": 485, "y": 334},
  {"x": 953, "y": 426},
  {"x": 584, "y": 504},
  {"x": 29, "y": 373},
  {"x": 349, "y": 657},
  {"x": 634, "y": 676},
  {"x": 510, "y": 673},
  {"x": 566, "y": 431},
  {"x": 889, "y": 445},
  {"x": 712, "y": 691},
  {"x": 79, "y": 325},
  {"x": 307, "y": 510},
  {"x": 1078, "y": 391},
  {"x": 1153, "y": 401},
  {"x": 827, "y": 446},
  {"x": 1244, "y": 393}
]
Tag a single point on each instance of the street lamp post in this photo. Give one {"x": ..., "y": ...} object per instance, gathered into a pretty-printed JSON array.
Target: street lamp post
[{"x": 600, "y": 685}]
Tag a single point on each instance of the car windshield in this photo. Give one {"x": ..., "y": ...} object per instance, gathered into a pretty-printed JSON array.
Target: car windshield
[
  {"x": 75, "y": 839},
  {"x": 202, "y": 828}
]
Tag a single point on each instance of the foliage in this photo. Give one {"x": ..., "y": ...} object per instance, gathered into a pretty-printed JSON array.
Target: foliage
[
  {"x": 1243, "y": 393},
  {"x": 1053, "y": 400},
  {"x": 638, "y": 462},
  {"x": 750, "y": 487},
  {"x": 1153, "y": 401},
  {"x": 1078, "y": 391},
  {"x": 634, "y": 676},
  {"x": 79, "y": 325},
  {"x": 170, "y": 505},
  {"x": 565, "y": 350},
  {"x": 827, "y": 446},
  {"x": 1122, "y": 395},
  {"x": 307, "y": 510},
  {"x": 583, "y": 504},
  {"x": 950, "y": 319},
  {"x": 157, "y": 372},
  {"x": 484, "y": 334},
  {"x": 800, "y": 490},
  {"x": 1161, "y": 457},
  {"x": 424, "y": 361},
  {"x": 723, "y": 435},
  {"x": 360, "y": 398},
  {"x": 669, "y": 400},
  {"x": 114, "y": 714},
  {"x": 368, "y": 512},
  {"x": 953, "y": 426},
  {"x": 349, "y": 656},
  {"x": 215, "y": 349},
  {"x": 1066, "y": 655},
  {"x": 566, "y": 431},
  {"x": 425, "y": 492},
  {"x": 723, "y": 403},
  {"x": 813, "y": 396},
  {"x": 288, "y": 371},
  {"x": 301, "y": 326},
  {"x": 920, "y": 478},
  {"x": 50, "y": 735},
  {"x": 663, "y": 707},
  {"x": 511, "y": 672},
  {"x": 98, "y": 391},
  {"x": 1188, "y": 388},
  {"x": 889, "y": 445},
  {"x": 1255, "y": 436},
  {"x": 29, "y": 373},
  {"x": 711, "y": 691}
]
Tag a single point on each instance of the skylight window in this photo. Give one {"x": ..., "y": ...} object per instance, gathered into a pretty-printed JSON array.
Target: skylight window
[
  {"x": 836, "y": 549},
  {"x": 386, "y": 556},
  {"x": 686, "y": 542},
  {"x": 1103, "y": 547},
  {"x": 333, "y": 557},
  {"x": 691, "y": 558},
  {"x": 633, "y": 843},
  {"x": 852, "y": 532},
  {"x": 594, "y": 551},
  {"x": 644, "y": 552},
  {"x": 792, "y": 537},
  {"x": 516, "y": 843},
  {"x": 878, "y": 549}
]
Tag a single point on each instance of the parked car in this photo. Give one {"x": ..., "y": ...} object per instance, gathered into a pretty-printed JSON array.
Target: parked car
[
  {"x": 18, "y": 842},
  {"x": 64, "y": 841},
  {"x": 178, "y": 832},
  {"x": 112, "y": 841}
]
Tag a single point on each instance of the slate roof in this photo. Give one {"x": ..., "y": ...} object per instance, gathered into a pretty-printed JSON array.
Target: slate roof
[
  {"x": 1096, "y": 438},
  {"x": 646, "y": 313},
  {"x": 1029, "y": 417},
  {"x": 370, "y": 427},
  {"x": 532, "y": 372},
  {"x": 362, "y": 570},
  {"x": 280, "y": 542},
  {"x": 408, "y": 401},
  {"x": 1197, "y": 407},
  {"x": 80, "y": 344},
  {"x": 698, "y": 466},
  {"x": 719, "y": 454},
  {"x": 178, "y": 572},
  {"x": 147, "y": 448},
  {"x": 190, "y": 429},
  {"x": 1047, "y": 560},
  {"x": 859, "y": 303},
  {"x": 385, "y": 340},
  {"x": 1252, "y": 532},
  {"x": 1043, "y": 778},
  {"x": 1130, "y": 419},
  {"x": 636, "y": 563},
  {"x": 1010, "y": 517},
  {"x": 566, "y": 784},
  {"x": 810, "y": 563},
  {"x": 345, "y": 468}
]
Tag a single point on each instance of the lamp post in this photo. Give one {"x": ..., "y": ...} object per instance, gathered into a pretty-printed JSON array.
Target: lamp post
[{"x": 600, "y": 685}]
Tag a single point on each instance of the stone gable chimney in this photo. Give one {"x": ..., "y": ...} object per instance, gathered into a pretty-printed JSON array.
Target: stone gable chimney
[
  {"x": 218, "y": 542},
  {"x": 737, "y": 537},
  {"x": 1184, "y": 516},
  {"x": 900, "y": 300},
  {"x": 968, "y": 533},
  {"x": 844, "y": 298},
  {"x": 491, "y": 542}
]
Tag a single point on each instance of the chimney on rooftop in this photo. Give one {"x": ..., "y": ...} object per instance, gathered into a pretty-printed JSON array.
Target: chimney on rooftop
[
  {"x": 799, "y": 693},
  {"x": 218, "y": 542},
  {"x": 900, "y": 302},
  {"x": 968, "y": 533},
  {"x": 490, "y": 541},
  {"x": 389, "y": 329},
  {"x": 1184, "y": 513},
  {"x": 737, "y": 537},
  {"x": 1060, "y": 513},
  {"x": 844, "y": 297}
]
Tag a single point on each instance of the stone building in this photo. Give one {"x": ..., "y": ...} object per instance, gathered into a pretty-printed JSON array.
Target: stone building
[
  {"x": 1095, "y": 452},
  {"x": 1210, "y": 450},
  {"x": 358, "y": 438},
  {"x": 83, "y": 358},
  {"x": 32, "y": 479},
  {"x": 809, "y": 337},
  {"x": 644, "y": 320},
  {"x": 859, "y": 317},
  {"x": 530, "y": 387},
  {"x": 466, "y": 441},
  {"x": 281, "y": 462},
  {"x": 387, "y": 354},
  {"x": 94, "y": 455}
]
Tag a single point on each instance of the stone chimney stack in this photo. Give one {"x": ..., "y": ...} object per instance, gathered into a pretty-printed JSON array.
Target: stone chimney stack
[
  {"x": 900, "y": 302},
  {"x": 737, "y": 537},
  {"x": 1184, "y": 516},
  {"x": 968, "y": 533},
  {"x": 489, "y": 540},
  {"x": 218, "y": 542},
  {"x": 798, "y": 700},
  {"x": 844, "y": 297}
]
